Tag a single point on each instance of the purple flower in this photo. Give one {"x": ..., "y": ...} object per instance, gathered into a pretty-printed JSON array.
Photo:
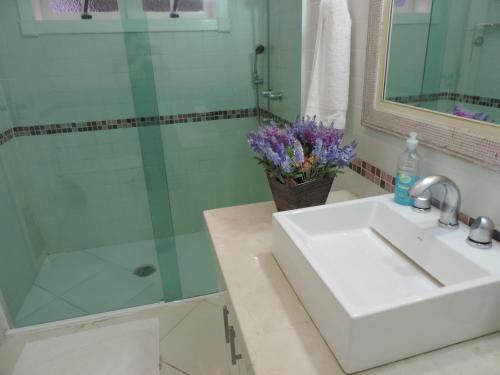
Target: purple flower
[
  {"x": 272, "y": 143},
  {"x": 298, "y": 153},
  {"x": 301, "y": 151},
  {"x": 305, "y": 130},
  {"x": 467, "y": 113},
  {"x": 347, "y": 155},
  {"x": 320, "y": 151}
]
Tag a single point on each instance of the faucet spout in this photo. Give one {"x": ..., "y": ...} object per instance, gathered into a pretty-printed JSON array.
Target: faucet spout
[{"x": 450, "y": 207}]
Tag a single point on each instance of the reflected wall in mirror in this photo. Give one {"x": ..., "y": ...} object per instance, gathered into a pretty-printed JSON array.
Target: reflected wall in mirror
[{"x": 444, "y": 56}]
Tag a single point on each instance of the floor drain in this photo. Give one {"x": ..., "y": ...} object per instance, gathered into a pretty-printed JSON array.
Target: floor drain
[{"x": 144, "y": 271}]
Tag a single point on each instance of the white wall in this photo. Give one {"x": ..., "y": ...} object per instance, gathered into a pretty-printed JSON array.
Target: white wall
[{"x": 480, "y": 187}]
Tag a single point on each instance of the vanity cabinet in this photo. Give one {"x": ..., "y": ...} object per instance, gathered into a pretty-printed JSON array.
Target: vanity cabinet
[{"x": 237, "y": 352}]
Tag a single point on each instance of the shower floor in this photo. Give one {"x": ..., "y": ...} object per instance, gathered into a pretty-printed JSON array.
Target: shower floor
[
  {"x": 102, "y": 279},
  {"x": 91, "y": 281}
]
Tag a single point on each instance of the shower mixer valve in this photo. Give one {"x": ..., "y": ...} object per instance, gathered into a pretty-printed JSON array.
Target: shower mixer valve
[{"x": 272, "y": 95}]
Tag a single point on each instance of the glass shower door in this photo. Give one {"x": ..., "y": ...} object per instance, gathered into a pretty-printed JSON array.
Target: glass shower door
[{"x": 85, "y": 189}]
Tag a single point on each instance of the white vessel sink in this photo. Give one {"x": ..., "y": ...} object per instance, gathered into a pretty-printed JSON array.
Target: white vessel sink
[{"x": 383, "y": 282}]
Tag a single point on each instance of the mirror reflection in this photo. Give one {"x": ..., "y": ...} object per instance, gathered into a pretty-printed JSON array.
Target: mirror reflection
[{"x": 444, "y": 55}]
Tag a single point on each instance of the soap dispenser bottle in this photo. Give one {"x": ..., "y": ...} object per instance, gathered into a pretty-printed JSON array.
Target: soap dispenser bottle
[{"x": 407, "y": 173}]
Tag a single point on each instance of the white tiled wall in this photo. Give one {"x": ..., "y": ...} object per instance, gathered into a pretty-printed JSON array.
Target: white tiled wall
[{"x": 479, "y": 186}]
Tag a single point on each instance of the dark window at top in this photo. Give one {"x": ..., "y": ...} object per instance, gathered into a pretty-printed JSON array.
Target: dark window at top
[
  {"x": 76, "y": 6},
  {"x": 156, "y": 5}
]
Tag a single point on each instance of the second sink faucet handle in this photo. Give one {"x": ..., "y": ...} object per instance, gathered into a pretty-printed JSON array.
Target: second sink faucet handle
[{"x": 481, "y": 233}]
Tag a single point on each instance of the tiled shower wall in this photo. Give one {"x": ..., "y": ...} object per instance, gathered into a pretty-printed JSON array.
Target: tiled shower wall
[
  {"x": 285, "y": 38},
  {"x": 85, "y": 77},
  {"x": 84, "y": 190},
  {"x": 479, "y": 64},
  {"x": 19, "y": 260},
  {"x": 87, "y": 189},
  {"x": 206, "y": 171}
]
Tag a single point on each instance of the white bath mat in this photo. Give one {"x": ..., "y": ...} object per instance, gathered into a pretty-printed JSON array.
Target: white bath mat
[{"x": 124, "y": 349}]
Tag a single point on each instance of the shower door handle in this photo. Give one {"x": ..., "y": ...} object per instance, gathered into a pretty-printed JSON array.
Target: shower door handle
[{"x": 225, "y": 314}]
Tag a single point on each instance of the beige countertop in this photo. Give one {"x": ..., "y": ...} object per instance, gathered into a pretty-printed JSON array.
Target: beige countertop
[{"x": 279, "y": 334}]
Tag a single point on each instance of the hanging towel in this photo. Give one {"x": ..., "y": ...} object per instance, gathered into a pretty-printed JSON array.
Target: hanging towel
[{"x": 329, "y": 87}]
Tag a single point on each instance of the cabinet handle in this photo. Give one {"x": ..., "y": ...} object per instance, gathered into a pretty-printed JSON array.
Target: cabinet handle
[
  {"x": 234, "y": 356},
  {"x": 225, "y": 313}
]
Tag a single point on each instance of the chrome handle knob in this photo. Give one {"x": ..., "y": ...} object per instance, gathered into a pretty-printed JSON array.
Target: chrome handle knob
[{"x": 481, "y": 233}]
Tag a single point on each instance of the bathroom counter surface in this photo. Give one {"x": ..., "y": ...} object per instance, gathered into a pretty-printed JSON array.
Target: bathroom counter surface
[{"x": 279, "y": 334}]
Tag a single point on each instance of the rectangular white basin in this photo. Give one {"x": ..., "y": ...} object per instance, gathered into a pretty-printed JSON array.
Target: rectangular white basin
[{"x": 383, "y": 282}]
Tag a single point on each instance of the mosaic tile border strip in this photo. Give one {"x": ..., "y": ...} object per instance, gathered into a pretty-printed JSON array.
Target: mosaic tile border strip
[
  {"x": 463, "y": 98},
  {"x": 382, "y": 179},
  {"x": 78, "y": 127},
  {"x": 6, "y": 136},
  {"x": 387, "y": 182},
  {"x": 266, "y": 114}
]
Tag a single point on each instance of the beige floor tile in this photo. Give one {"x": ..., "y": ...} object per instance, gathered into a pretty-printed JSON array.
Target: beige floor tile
[{"x": 197, "y": 344}]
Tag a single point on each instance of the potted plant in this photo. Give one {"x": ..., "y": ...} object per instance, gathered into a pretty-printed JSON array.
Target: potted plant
[{"x": 301, "y": 160}]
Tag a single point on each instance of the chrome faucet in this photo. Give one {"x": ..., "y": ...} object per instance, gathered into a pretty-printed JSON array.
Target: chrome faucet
[{"x": 451, "y": 202}]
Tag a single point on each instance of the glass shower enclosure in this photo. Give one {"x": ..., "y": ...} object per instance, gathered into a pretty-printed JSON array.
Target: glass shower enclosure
[{"x": 119, "y": 126}]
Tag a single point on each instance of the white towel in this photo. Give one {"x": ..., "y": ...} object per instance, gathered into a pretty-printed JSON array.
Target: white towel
[
  {"x": 329, "y": 88},
  {"x": 131, "y": 348}
]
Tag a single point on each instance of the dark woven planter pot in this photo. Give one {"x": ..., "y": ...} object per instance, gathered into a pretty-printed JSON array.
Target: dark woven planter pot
[{"x": 307, "y": 194}]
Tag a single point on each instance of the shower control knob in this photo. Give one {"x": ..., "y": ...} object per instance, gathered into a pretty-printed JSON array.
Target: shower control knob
[
  {"x": 481, "y": 233},
  {"x": 272, "y": 95}
]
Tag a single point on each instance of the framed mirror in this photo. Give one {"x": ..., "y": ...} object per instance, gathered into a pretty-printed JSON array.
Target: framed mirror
[{"x": 432, "y": 67}]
